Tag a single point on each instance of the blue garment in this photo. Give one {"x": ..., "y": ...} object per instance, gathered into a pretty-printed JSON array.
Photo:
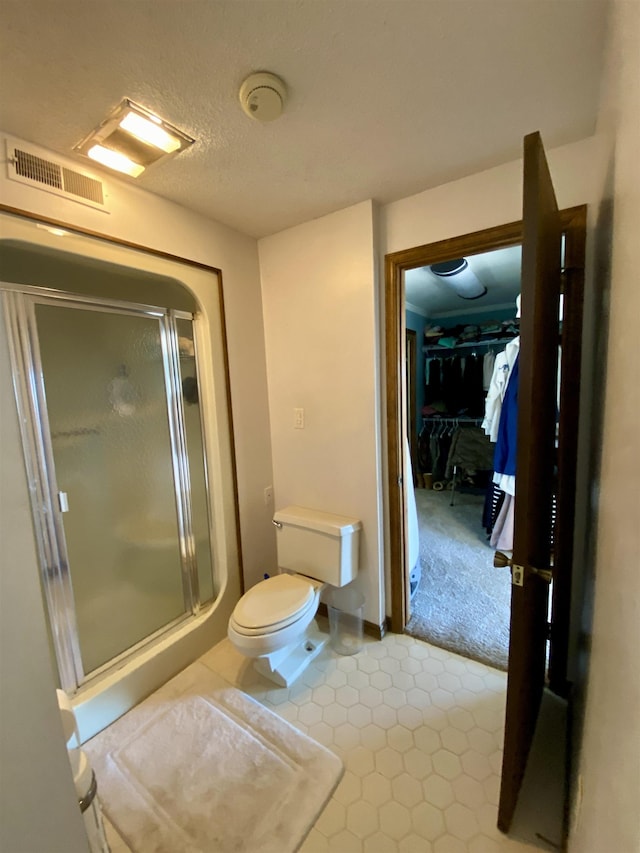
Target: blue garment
[{"x": 504, "y": 458}]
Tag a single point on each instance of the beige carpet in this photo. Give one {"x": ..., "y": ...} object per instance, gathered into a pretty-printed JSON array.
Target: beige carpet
[
  {"x": 463, "y": 603},
  {"x": 201, "y": 766}
]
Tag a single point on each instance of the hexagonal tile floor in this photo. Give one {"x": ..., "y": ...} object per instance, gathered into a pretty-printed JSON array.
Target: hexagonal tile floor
[{"x": 420, "y": 732}]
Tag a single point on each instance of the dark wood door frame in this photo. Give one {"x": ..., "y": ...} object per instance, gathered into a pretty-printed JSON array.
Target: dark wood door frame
[{"x": 396, "y": 264}]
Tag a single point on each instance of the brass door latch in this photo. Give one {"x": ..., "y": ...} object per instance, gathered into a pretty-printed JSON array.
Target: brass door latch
[{"x": 502, "y": 561}]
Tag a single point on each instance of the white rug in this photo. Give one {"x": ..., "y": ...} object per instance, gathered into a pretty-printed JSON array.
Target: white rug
[{"x": 200, "y": 766}]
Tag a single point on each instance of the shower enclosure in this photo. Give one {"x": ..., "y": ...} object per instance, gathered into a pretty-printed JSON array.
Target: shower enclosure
[{"x": 109, "y": 398}]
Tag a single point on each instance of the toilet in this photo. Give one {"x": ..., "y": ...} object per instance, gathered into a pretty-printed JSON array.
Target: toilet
[{"x": 274, "y": 622}]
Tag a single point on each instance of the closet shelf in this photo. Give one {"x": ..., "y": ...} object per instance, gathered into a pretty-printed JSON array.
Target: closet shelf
[
  {"x": 451, "y": 419},
  {"x": 466, "y": 344}
]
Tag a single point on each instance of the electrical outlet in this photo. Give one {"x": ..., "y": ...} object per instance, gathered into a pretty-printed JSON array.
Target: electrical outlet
[
  {"x": 268, "y": 496},
  {"x": 298, "y": 418}
]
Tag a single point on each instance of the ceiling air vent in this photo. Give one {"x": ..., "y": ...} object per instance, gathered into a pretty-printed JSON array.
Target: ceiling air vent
[{"x": 27, "y": 167}]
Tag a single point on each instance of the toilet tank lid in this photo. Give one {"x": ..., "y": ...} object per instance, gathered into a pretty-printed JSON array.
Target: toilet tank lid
[{"x": 325, "y": 522}]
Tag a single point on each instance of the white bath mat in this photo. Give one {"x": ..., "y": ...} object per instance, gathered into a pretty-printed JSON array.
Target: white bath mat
[{"x": 200, "y": 766}]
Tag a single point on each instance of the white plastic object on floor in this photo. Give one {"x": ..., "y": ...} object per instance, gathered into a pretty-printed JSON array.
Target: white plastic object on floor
[
  {"x": 413, "y": 531},
  {"x": 83, "y": 777},
  {"x": 346, "y": 617}
]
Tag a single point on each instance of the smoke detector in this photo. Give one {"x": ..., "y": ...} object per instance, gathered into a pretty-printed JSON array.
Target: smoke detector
[{"x": 262, "y": 96}]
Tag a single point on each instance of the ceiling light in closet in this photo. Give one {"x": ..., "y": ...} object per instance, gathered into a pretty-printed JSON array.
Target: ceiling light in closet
[
  {"x": 457, "y": 275},
  {"x": 131, "y": 138}
]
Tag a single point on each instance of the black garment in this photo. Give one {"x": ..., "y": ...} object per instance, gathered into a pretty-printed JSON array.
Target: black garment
[
  {"x": 433, "y": 391},
  {"x": 493, "y": 501},
  {"x": 472, "y": 390},
  {"x": 439, "y": 447},
  {"x": 452, "y": 395},
  {"x": 424, "y": 452}
]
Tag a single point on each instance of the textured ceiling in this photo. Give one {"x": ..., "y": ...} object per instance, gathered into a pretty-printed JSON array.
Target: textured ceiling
[{"x": 387, "y": 97}]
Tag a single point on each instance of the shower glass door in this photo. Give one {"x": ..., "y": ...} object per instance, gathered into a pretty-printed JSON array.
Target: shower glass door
[
  {"x": 105, "y": 387},
  {"x": 125, "y": 546}
]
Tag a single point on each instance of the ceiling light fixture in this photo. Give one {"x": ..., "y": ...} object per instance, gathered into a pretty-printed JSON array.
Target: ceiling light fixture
[
  {"x": 114, "y": 160},
  {"x": 131, "y": 138},
  {"x": 457, "y": 275}
]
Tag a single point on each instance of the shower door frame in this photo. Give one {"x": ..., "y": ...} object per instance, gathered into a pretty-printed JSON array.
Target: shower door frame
[{"x": 47, "y": 510}]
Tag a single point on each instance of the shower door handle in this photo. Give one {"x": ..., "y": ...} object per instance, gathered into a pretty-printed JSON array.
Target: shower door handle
[{"x": 63, "y": 501}]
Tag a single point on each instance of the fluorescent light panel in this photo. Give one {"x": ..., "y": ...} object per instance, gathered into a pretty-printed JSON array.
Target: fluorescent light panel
[
  {"x": 114, "y": 160},
  {"x": 132, "y": 138},
  {"x": 149, "y": 132}
]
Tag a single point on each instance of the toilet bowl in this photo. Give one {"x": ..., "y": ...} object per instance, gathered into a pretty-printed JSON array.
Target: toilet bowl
[
  {"x": 274, "y": 614},
  {"x": 274, "y": 622}
]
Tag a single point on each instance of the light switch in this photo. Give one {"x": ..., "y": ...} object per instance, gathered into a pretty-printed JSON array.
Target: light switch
[{"x": 298, "y": 418}]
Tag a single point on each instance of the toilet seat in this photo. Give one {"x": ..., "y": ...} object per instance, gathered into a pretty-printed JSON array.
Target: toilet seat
[
  {"x": 274, "y": 604},
  {"x": 275, "y": 621}
]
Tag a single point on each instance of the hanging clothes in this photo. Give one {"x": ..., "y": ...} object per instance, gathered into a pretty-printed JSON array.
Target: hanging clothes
[
  {"x": 493, "y": 501},
  {"x": 488, "y": 363},
  {"x": 452, "y": 393},
  {"x": 433, "y": 380},
  {"x": 502, "y": 534},
  {"x": 440, "y": 444},
  {"x": 504, "y": 460},
  {"x": 472, "y": 390},
  {"x": 497, "y": 388},
  {"x": 470, "y": 451}
]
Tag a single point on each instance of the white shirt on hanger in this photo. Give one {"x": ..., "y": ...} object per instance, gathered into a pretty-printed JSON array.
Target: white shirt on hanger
[{"x": 497, "y": 388}]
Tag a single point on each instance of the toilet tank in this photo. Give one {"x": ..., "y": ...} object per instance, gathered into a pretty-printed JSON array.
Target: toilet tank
[{"x": 318, "y": 544}]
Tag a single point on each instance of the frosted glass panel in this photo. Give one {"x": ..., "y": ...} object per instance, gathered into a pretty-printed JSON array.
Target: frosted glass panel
[
  {"x": 106, "y": 399},
  {"x": 195, "y": 453}
]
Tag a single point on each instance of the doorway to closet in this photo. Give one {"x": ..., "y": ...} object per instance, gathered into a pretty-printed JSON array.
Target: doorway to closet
[
  {"x": 463, "y": 314},
  {"x": 553, "y": 265},
  {"x": 573, "y": 227}
]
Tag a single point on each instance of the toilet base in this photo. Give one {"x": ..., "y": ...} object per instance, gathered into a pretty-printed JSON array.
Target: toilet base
[{"x": 286, "y": 665}]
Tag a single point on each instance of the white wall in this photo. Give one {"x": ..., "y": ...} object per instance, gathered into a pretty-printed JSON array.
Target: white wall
[
  {"x": 320, "y": 331},
  {"x": 606, "y": 818},
  {"x": 485, "y": 199}
]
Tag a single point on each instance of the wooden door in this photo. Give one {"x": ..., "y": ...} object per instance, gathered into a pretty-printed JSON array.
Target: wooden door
[{"x": 537, "y": 411}]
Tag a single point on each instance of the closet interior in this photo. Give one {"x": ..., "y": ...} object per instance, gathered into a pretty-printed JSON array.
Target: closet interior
[{"x": 465, "y": 319}]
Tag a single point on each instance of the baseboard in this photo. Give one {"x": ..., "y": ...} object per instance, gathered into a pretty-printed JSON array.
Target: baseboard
[{"x": 369, "y": 628}]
